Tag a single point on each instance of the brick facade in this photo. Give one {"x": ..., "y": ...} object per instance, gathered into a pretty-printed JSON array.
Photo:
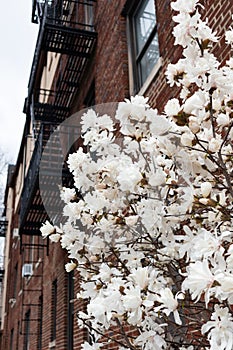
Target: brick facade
[{"x": 109, "y": 70}]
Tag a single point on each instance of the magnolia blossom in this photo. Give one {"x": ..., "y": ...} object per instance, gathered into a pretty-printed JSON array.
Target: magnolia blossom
[
  {"x": 229, "y": 36},
  {"x": 214, "y": 145},
  {"x": 172, "y": 107},
  {"x": 68, "y": 194},
  {"x": 47, "y": 229},
  {"x": 199, "y": 280},
  {"x": 140, "y": 276},
  {"x": 152, "y": 339},
  {"x": 55, "y": 237},
  {"x": 70, "y": 266},
  {"x": 87, "y": 346},
  {"x": 128, "y": 178},
  {"x": 169, "y": 304},
  {"x": 184, "y": 6},
  {"x": 220, "y": 329},
  {"x": 206, "y": 188},
  {"x": 223, "y": 119},
  {"x": 148, "y": 222}
]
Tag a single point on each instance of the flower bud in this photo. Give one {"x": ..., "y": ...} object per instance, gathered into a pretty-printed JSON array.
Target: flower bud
[{"x": 206, "y": 188}]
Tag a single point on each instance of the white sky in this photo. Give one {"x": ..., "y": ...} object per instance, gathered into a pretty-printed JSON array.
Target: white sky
[{"x": 17, "y": 44}]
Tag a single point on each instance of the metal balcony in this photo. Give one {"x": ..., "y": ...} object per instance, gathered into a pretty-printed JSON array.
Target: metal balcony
[
  {"x": 66, "y": 29},
  {"x": 40, "y": 198}
]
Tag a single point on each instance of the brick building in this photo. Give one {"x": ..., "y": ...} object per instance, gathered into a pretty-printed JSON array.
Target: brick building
[{"x": 88, "y": 52}]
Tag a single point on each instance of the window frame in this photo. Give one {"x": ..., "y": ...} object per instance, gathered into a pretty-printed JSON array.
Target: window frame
[
  {"x": 70, "y": 311},
  {"x": 12, "y": 339},
  {"x": 135, "y": 79},
  {"x": 26, "y": 345},
  {"x": 40, "y": 323}
]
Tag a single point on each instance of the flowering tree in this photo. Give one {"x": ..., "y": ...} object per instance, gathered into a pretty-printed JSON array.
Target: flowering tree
[{"x": 149, "y": 220}]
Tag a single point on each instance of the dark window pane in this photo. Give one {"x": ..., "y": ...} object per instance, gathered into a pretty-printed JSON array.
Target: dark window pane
[
  {"x": 149, "y": 60},
  {"x": 145, "y": 21}
]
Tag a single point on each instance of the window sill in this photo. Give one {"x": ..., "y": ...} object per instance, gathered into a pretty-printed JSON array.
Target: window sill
[{"x": 149, "y": 79}]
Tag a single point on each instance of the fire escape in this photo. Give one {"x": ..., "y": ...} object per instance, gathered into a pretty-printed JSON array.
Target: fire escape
[
  {"x": 65, "y": 29},
  {"x": 66, "y": 41}
]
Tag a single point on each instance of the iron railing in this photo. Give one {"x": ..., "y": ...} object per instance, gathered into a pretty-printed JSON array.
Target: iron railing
[{"x": 66, "y": 28}]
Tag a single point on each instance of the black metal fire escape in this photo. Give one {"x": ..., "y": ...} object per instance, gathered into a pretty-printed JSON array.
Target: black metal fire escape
[{"x": 65, "y": 28}]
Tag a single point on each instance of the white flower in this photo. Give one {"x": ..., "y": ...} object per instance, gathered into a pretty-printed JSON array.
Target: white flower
[
  {"x": 174, "y": 71},
  {"x": 172, "y": 107},
  {"x": 199, "y": 280},
  {"x": 194, "y": 125},
  {"x": 169, "y": 304},
  {"x": 55, "y": 237},
  {"x": 187, "y": 139},
  {"x": 159, "y": 125},
  {"x": 223, "y": 119},
  {"x": 225, "y": 290},
  {"x": 87, "y": 346},
  {"x": 98, "y": 308},
  {"x": 73, "y": 210},
  {"x": 140, "y": 277},
  {"x": 47, "y": 229},
  {"x": 205, "y": 244},
  {"x": 204, "y": 201},
  {"x": 184, "y": 6},
  {"x": 129, "y": 177},
  {"x": 214, "y": 145},
  {"x": 131, "y": 220},
  {"x": 152, "y": 338},
  {"x": 220, "y": 329},
  {"x": 132, "y": 300},
  {"x": 229, "y": 36},
  {"x": 158, "y": 178},
  {"x": 195, "y": 102},
  {"x": 70, "y": 266},
  {"x": 206, "y": 188},
  {"x": 67, "y": 194}
]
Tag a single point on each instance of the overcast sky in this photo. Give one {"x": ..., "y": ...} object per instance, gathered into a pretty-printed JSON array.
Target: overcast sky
[{"x": 17, "y": 40}]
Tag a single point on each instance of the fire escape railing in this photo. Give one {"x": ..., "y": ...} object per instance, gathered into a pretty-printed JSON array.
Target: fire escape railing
[
  {"x": 30, "y": 182},
  {"x": 65, "y": 28}
]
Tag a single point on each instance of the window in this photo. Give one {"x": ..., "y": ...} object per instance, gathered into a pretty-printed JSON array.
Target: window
[
  {"x": 70, "y": 335},
  {"x": 40, "y": 323},
  {"x": 12, "y": 339},
  {"x": 54, "y": 311},
  {"x": 143, "y": 40},
  {"x": 15, "y": 281},
  {"x": 26, "y": 345},
  {"x": 17, "y": 339},
  {"x": 88, "y": 14}
]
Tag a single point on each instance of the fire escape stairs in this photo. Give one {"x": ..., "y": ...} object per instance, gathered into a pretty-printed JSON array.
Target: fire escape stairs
[{"x": 62, "y": 30}]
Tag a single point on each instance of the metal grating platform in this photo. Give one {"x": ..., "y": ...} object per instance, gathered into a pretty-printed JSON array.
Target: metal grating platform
[{"x": 70, "y": 41}]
